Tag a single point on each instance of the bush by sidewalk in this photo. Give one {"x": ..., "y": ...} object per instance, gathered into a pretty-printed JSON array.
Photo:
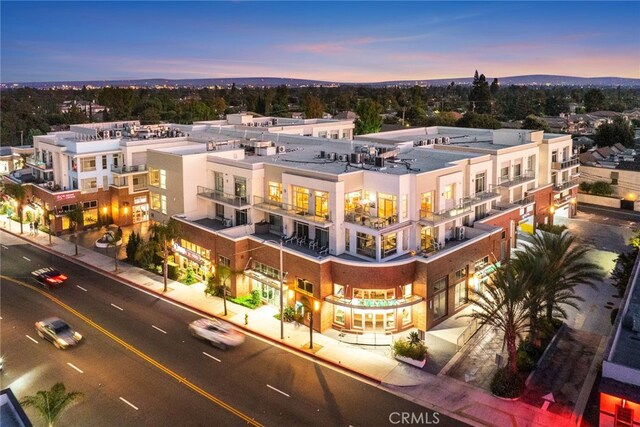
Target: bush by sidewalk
[{"x": 507, "y": 384}]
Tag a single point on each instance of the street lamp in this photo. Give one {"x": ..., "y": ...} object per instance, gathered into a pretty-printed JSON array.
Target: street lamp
[{"x": 314, "y": 308}]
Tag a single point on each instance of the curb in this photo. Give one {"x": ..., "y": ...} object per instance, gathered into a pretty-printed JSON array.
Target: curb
[
  {"x": 546, "y": 350},
  {"x": 72, "y": 258}
]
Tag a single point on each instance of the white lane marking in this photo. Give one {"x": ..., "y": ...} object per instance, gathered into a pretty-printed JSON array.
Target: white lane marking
[
  {"x": 5, "y": 247},
  {"x": 129, "y": 403},
  {"x": 75, "y": 367},
  {"x": 26, "y": 258},
  {"x": 31, "y": 339},
  {"x": 119, "y": 308},
  {"x": 155, "y": 327},
  {"x": 81, "y": 288},
  {"x": 279, "y": 391},
  {"x": 214, "y": 358}
]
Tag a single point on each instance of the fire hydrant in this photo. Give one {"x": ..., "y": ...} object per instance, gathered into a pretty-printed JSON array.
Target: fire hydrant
[{"x": 246, "y": 319}]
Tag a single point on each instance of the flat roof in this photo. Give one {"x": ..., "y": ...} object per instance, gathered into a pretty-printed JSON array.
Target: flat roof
[{"x": 625, "y": 350}]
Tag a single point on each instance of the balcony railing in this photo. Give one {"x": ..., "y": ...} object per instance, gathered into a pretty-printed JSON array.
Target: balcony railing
[
  {"x": 128, "y": 169},
  {"x": 525, "y": 201},
  {"x": 290, "y": 210},
  {"x": 482, "y": 196},
  {"x": 573, "y": 182},
  {"x": 445, "y": 215},
  {"x": 37, "y": 163},
  {"x": 219, "y": 196},
  {"x": 569, "y": 163},
  {"x": 361, "y": 217},
  {"x": 505, "y": 181}
]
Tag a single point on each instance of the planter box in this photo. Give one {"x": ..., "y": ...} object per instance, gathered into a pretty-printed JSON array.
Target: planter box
[
  {"x": 417, "y": 363},
  {"x": 106, "y": 245}
]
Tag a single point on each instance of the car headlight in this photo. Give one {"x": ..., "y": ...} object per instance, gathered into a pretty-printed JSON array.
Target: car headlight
[
  {"x": 77, "y": 336},
  {"x": 61, "y": 342}
]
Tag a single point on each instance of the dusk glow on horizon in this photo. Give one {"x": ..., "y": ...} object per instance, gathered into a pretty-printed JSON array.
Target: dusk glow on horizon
[{"x": 334, "y": 41}]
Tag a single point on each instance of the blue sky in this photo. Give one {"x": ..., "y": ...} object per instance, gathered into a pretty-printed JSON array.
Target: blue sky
[{"x": 342, "y": 41}]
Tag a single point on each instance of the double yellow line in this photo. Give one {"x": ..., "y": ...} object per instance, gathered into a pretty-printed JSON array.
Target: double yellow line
[{"x": 140, "y": 354}]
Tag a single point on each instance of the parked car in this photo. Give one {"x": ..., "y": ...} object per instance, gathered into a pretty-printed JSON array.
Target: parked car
[
  {"x": 218, "y": 333},
  {"x": 49, "y": 277},
  {"x": 58, "y": 332}
]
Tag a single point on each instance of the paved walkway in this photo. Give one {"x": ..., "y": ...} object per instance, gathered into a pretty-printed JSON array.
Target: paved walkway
[{"x": 440, "y": 393}]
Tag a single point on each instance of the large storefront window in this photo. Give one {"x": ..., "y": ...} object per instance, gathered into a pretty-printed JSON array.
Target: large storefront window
[
  {"x": 190, "y": 256},
  {"x": 339, "y": 316},
  {"x": 440, "y": 305},
  {"x": 374, "y": 293},
  {"x": 460, "y": 297},
  {"x": 90, "y": 216}
]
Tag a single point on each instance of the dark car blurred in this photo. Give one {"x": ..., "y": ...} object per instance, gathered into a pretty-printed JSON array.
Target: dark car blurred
[
  {"x": 49, "y": 277},
  {"x": 58, "y": 332}
]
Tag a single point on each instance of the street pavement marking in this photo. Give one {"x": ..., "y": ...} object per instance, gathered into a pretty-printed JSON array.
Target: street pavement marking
[
  {"x": 119, "y": 308},
  {"x": 156, "y": 328},
  {"x": 129, "y": 403},
  {"x": 279, "y": 391},
  {"x": 214, "y": 358},
  {"x": 81, "y": 288},
  {"x": 26, "y": 258},
  {"x": 5, "y": 247},
  {"x": 140, "y": 354},
  {"x": 75, "y": 367},
  {"x": 31, "y": 339}
]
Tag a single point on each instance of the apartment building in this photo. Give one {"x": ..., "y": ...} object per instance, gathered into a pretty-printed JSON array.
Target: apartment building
[{"x": 380, "y": 234}]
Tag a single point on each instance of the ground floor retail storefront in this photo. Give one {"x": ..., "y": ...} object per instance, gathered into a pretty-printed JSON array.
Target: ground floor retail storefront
[{"x": 191, "y": 257}]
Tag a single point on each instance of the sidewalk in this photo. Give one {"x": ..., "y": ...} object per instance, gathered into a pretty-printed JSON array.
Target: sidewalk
[{"x": 440, "y": 393}]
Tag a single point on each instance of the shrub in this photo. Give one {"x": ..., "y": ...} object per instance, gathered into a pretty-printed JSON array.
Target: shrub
[
  {"x": 507, "y": 384},
  {"x": 289, "y": 314},
  {"x": 255, "y": 297},
  {"x": 247, "y": 301},
  {"x": 212, "y": 287},
  {"x": 132, "y": 247},
  {"x": 601, "y": 188},
  {"x": 585, "y": 187},
  {"x": 189, "y": 277},
  {"x": 555, "y": 229},
  {"x": 172, "y": 270},
  {"x": 414, "y": 349},
  {"x": 524, "y": 361}
]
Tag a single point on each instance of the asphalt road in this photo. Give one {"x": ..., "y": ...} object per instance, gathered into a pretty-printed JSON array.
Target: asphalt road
[{"x": 140, "y": 365}]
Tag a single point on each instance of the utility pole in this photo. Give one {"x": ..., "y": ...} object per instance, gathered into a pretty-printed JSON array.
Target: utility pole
[{"x": 21, "y": 137}]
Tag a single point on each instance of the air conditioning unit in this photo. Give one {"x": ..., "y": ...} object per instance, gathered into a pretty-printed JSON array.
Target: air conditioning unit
[
  {"x": 379, "y": 162},
  {"x": 118, "y": 134},
  {"x": 332, "y": 156},
  {"x": 446, "y": 140},
  {"x": 343, "y": 157},
  {"x": 281, "y": 149},
  {"x": 431, "y": 141},
  {"x": 323, "y": 154},
  {"x": 460, "y": 233},
  {"x": 356, "y": 158},
  {"x": 105, "y": 134}
]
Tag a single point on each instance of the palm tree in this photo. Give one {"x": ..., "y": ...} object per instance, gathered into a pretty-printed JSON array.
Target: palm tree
[
  {"x": 76, "y": 217},
  {"x": 50, "y": 404},
  {"x": 565, "y": 266},
  {"x": 165, "y": 233},
  {"x": 18, "y": 192},
  {"x": 503, "y": 306},
  {"x": 527, "y": 264}
]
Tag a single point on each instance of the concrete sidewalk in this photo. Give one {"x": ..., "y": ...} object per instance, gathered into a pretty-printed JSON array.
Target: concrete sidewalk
[{"x": 440, "y": 393}]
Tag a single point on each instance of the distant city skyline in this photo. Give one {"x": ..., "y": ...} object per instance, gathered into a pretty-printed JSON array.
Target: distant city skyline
[{"x": 335, "y": 41}]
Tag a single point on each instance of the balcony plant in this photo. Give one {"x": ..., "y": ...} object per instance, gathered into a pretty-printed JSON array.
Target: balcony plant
[{"x": 411, "y": 350}]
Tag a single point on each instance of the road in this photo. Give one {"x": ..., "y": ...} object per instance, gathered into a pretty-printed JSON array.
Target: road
[{"x": 138, "y": 365}]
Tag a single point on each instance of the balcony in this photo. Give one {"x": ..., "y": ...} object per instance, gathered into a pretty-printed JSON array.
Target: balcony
[
  {"x": 505, "y": 181},
  {"x": 290, "y": 211},
  {"x": 361, "y": 217},
  {"x": 567, "y": 164},
  {"x": 435, "y": 218},
  {"x": 573, "y": 182},
  {"x": 38, "y": 164},
  {"x": 374, "y": 303},
  {"x": 527, "y": 200},
  {"x": 224, "y": 198},
  {"x": 482, "y": 197},
  {"x": 123, "y": 170}
]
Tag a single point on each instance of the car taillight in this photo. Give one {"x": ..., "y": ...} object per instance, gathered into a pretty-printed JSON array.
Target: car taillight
[
  {"x": 62, "y": 277},
  {"x": 52, "y": 280}
]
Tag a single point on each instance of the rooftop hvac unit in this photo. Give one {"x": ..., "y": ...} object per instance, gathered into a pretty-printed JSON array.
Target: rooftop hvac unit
[
  {"x": 281, "y": 148},
  {"x": 378, "y": 162},
  {"x": 118, "y": 134},
  {"x": 322, "y": 154},
  {"x": 332, "y": 156},
  {"x": 460, "y": 233},
  {"x": 105, "y": 134},
  {"x": 431, "y": 141},
  {"x": 343, "y": 157},
  {"x": 355, "y": 158},
  {"x": 438, "y": 140},
  {"x": 446, "y": 140}
]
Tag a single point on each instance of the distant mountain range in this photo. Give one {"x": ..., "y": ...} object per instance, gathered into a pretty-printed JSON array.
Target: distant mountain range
[{"x": 529, "y": 80}]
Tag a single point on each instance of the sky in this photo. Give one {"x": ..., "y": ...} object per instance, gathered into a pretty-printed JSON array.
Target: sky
[{"x": 335, "y": 41}]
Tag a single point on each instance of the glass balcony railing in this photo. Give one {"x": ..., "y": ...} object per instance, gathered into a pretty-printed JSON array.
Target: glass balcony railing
[
  {"x": 573, "y": 182},
  {"x": 463, "y": 208},
  {"x": 291, "y": 211},
  {"x": 362, "y": 217},
  {"x": 505, "y": 181},
  {"x": 219, "y": 196},
  {"x": 567, "y": 164},
  {"x": 128, "y": 169},
  {"x": 482, "y": 196},
  {"x": 525, "y": 200},
  {"x": 38, "y": 163}
]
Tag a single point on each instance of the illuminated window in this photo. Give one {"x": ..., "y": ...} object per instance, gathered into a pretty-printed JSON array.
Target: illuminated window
[
  {"x": 389, "y": 245},
  {"x": 163, "y": 204},
  {"x": 338, "y": 316},
  {"x": 448, "y": 192},
  {"x": 388, "y": 207},
  {"x": 461, "y": 274},
  {"x": 338, "y": 290},
  {"x": 460, "y": 296},
  {"x": 88, "y": 164},
  {"x": 426, "y": 238},
  {"x": 154, "y": 177},
  {"x": 407, "y": 290},
  {"x": 301, "y": 199},
  {"x": 275, "y": 191},
  {"x": 406, "y": 316},
  {"x": 90, "y": 184},
  {"x": 322, "y": 204},
  {"x": 163, "y": 178},
  {"x": 426, "y": 202}
]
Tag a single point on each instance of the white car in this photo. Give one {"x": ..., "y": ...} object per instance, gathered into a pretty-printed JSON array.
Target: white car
[{"x": 217, "y": 332}]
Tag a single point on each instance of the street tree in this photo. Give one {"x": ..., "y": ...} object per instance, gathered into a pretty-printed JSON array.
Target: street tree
[
  {"x": 50, "y": 404},
  {"x": 369, "y": 120},
  {"x": 76, "y": 218},
  {"x": 535, "y": 123},
  {"x": 620, "y": 131},
  {"x": 17, "y": 192},
  {"x": 164, "y": 233}
]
